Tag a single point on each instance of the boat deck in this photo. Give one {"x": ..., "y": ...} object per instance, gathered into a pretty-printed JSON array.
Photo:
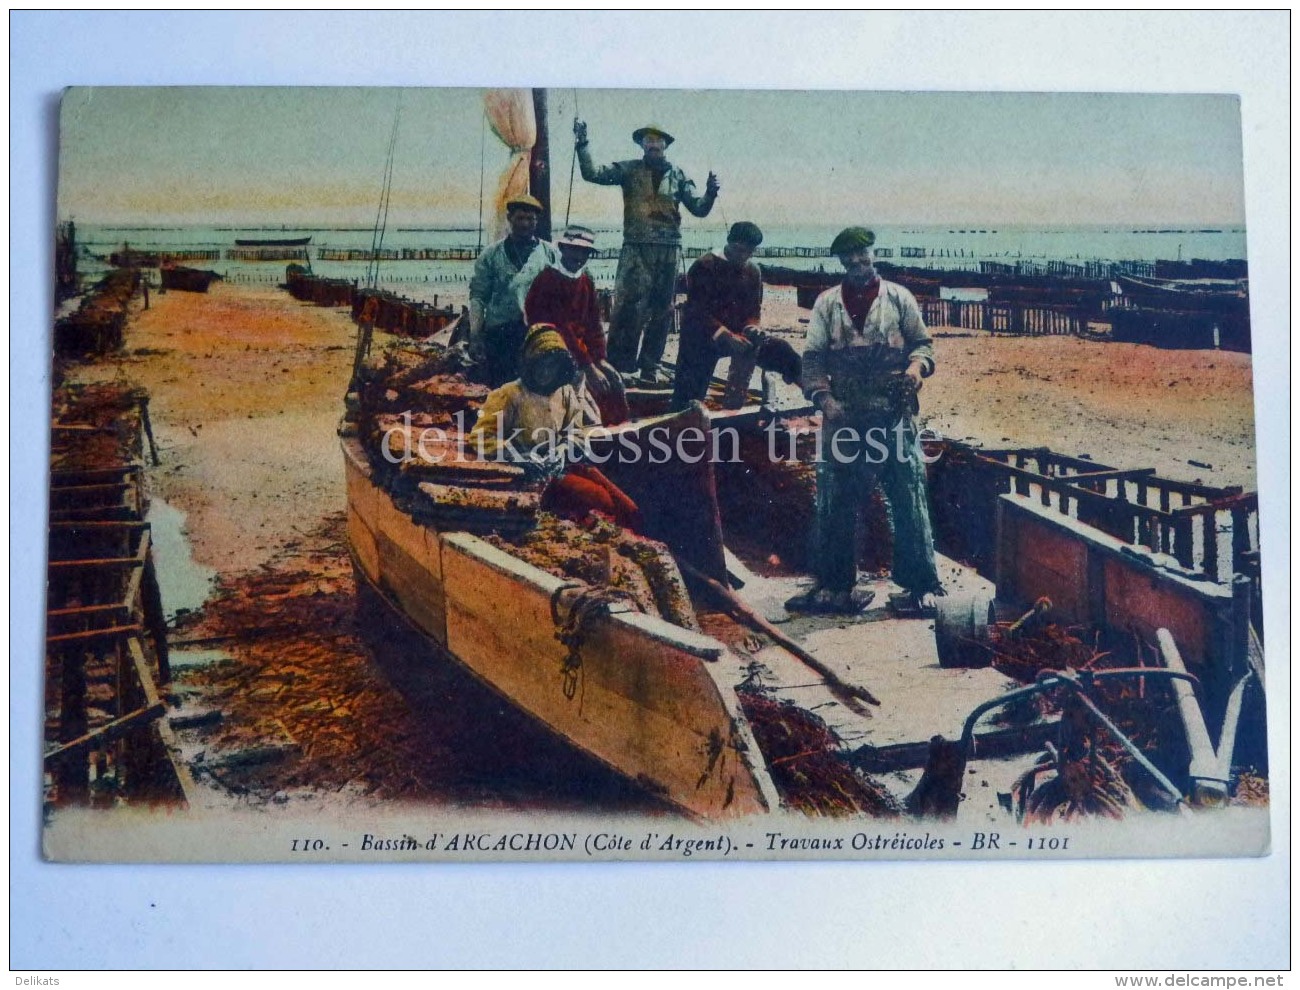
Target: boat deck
[{"x": 896, "y": 660}]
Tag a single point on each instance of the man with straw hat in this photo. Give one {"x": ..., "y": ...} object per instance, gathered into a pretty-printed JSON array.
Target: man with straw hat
[{"x": 653, "y": 189}]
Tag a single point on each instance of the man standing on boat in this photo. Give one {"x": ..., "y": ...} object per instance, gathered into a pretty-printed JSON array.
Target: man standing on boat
[
  {"x": 647, "y": 265},
  {"x": 502, "y": 275},
  {"x": 867, "y": 353},
  {"x": 724, "y": 298}
]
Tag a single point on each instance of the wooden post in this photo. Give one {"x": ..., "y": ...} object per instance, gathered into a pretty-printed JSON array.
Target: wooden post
[
  {"x": 155, "y": 618},
  {"x": 71, "y": 775},
  {"x": 1210, "y": 540},
  {"x": 1203, "y": 767},
  {"x": 1183, "y": 541},
  {"x": 539, "y": 174},
  {"x": 1240, "y": 535}
]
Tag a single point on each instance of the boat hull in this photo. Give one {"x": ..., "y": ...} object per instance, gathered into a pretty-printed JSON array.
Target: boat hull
[
  {"x": 652, "y": 701},
  {"x": 187, "y": 279}
]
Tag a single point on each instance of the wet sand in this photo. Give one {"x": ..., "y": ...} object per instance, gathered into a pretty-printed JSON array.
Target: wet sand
[{"x": 246, "y": 388}]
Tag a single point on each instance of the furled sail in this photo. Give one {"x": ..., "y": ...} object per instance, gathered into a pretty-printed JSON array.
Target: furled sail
[{"x": 510, "y": 114}]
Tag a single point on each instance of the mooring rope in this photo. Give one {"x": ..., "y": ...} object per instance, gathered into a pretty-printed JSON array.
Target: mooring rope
[{"x": 571, "y": 628}]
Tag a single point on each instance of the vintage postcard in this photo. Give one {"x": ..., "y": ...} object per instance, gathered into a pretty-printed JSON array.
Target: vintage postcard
[{"x": 450, "y": 474}]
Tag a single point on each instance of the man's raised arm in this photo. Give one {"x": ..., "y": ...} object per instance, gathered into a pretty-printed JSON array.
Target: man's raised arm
[
  {"x": 603, "y": 175},
  {"x": 698, "y": 205}
]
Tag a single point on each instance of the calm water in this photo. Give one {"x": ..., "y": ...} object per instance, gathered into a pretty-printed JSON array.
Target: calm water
[{"x": 943, "y": 247}]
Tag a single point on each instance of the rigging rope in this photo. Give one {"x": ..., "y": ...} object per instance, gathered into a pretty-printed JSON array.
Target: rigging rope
[
  {"x": 381, "y": 215},
  {"x": 572, "y": 161},
  {"x": 388, "y": 196},
  {"x": 482, "y": 165}
]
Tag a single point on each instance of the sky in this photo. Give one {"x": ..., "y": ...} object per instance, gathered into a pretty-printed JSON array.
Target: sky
[{"x": 308, "y": 156}]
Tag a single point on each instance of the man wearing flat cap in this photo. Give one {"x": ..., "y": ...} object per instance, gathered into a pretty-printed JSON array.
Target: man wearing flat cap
[
  {"x": 867, "y": 353},
  {"x": 724, "y": 300},
  {"x": 653, "y": 188},
  {"x": 502, "y": 275}
]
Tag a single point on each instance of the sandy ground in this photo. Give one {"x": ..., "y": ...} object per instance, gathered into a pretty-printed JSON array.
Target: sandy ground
[
  {"x": 1127, "y": 405},
  {"x": 246, "y": 387}
]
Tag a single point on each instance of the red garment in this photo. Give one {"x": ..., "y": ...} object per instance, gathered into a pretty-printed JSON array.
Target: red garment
[
  {"x": 720, "y": 294},
  {"x": 570, "y": 304},
  {"x": 858, "y": 300},
  {"x": 583, "y": 490}
]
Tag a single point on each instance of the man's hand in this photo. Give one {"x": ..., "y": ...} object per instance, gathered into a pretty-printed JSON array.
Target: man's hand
[
  {"x": 832, "y": 411},
  {"x": 712, "y": 186},
  {"x": 597, "y": 377},
  {"x": 579, "y": 131},
  {"x": 914, "y": 375},
  {"x": 732, "y": 344}
]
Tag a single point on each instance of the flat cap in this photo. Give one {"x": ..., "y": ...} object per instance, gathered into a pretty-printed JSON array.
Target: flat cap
[
  {"x": 852, "y": 239},
  {"x": 524, "y": 202}
]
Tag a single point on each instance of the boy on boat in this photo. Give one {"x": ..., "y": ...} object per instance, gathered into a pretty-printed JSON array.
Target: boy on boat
[
  {"x": 564, "y": 295},
  {"x": 647, "y": 265},
  {"x": 531, "y": 419},
  {"x": 502, "y": 274},
  {"x": 724, "y": 299},
  {"x": 867, "y": 353}
]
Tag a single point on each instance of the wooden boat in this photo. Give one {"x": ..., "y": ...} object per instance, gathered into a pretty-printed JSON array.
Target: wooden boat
[
  {"x": 672, "y": 707},
  {"x": 676, "y": 705},
  {"x": 186, "y": 279},
  {"x": 1226, "y": 296},
  {"x": 654, "y": 701},
  {"x": 272, "y": 241}
]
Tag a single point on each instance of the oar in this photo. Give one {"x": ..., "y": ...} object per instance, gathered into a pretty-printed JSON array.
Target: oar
[{"x": 851, "y": 694}]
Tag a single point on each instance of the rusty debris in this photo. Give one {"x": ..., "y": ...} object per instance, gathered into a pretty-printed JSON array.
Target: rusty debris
[{"x": 801, "y": 753}]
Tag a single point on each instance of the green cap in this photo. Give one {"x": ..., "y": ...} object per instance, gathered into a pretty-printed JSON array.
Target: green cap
[{"x": 852, "y": 239}]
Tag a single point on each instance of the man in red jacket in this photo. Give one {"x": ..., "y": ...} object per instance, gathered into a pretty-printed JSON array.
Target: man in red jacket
[
  {"x": 564, "y": 295},
  {"x": 724, "y": 297}
]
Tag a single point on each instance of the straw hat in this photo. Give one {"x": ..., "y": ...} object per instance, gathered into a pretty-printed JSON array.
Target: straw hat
[{"x": 641, "y": 132}]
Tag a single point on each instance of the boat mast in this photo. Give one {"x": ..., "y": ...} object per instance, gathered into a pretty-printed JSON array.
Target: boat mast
[{"x": 539, "y": 166}]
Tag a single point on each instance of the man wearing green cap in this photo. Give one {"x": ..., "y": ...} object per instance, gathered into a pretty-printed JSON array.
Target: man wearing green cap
[
  {"x": 502, "y": 275},
  {"x": 647, "y": 265},
  {"x": 866, "y": 355}
]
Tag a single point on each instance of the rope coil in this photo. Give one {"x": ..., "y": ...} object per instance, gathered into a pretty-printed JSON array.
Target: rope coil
[{"x": 571, "y": 628}]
